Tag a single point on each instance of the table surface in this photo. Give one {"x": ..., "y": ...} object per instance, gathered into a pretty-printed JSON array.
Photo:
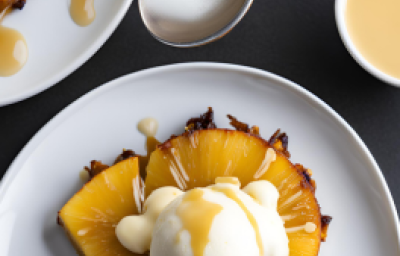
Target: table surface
[{"x": 294, "y": 39}]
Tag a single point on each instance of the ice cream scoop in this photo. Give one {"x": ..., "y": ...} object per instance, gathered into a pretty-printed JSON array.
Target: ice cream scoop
[{"x": 218, "y": 220}]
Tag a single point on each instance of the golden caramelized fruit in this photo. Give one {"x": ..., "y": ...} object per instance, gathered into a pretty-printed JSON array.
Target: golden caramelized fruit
[
  {"x": 197, "y": 158},
  {"x": 91, "y": 215}
]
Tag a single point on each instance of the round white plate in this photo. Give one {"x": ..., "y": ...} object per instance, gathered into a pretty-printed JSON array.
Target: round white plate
[
  {"x": 57, "y": 46},
  {"x": 44, "y": 176}
]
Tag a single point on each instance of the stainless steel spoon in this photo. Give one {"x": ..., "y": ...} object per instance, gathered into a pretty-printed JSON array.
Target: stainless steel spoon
[{"x": 209, "y": 36}]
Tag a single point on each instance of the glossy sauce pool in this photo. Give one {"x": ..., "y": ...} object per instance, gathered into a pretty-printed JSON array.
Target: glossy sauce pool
[
  {"x": 374, "y": 28},
  {"x": 82, "y": 12},
  {"x": 13, "y": 50}
]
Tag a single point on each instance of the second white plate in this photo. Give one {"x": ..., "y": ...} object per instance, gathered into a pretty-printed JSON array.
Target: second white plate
[
  {"x": 44, "y": 176},
  {"x": 57, "y": 46}
]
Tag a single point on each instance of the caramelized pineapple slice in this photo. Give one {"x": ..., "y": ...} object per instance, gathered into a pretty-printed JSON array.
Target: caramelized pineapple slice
[
  {"x": 90, "y": 217},
  {"x": 196, "y": 158}
]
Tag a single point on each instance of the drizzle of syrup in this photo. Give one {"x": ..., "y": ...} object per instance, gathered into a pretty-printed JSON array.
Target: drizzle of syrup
[
  {"x": 13, "y": 49},
  {"x": 82, "y": 12},
  {"x": 233, "y": 196},
  {"x": 192, "y": 209},
  {"x": 151, "y": 145}
]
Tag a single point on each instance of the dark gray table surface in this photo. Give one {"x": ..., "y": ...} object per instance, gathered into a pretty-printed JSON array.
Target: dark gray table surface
[{"x": 295, "y": 39}]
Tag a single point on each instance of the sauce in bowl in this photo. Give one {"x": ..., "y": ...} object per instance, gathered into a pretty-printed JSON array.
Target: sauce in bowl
[{"x": 374, "y": 28}]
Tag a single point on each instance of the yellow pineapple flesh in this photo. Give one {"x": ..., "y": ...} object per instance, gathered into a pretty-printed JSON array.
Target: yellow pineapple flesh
[
  {"x": 91, "y": 215},
  {"x": 194, "y": 159},
  {"x": 197, "y": 158}
]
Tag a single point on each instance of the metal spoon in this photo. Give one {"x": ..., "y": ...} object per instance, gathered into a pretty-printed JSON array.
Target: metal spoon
[{"x": 166, "y": 37}]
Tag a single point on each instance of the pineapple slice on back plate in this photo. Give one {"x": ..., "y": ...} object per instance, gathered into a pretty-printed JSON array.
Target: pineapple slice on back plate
[
  {"x": 196, "y": 158},
  {"x": 90, "y": 217}
]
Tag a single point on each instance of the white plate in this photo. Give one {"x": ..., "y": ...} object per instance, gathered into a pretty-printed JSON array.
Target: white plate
[
  {"x": 44, "y": 176},
  {"x": 57, "y": 46}
]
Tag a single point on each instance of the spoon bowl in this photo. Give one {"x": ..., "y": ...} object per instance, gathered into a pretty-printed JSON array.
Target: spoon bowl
[{"x": 186, "y": 24}]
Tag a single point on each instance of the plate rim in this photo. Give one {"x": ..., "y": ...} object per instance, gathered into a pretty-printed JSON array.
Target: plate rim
[
  {"x": 60, "y": 117},
  {"x": 74, "y": 65}
]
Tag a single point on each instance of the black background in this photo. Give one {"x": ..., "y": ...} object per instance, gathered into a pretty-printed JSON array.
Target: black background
[{"x": 295, "y": 39}]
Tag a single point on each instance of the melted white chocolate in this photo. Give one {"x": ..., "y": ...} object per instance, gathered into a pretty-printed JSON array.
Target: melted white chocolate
[
  {"x": 84, "y": 176},
  {"x": 270, "y": 157},
  {"x": 309, "y": 227},
  {"x": 134, "y": 232},
  {"x": 148, "y": 127}
]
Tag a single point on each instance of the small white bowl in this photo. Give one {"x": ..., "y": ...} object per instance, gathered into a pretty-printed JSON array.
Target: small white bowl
[{"x": 340, "y": 9}]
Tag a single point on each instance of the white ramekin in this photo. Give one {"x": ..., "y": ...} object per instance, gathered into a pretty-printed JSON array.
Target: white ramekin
[{"x": 340, "y": 9}]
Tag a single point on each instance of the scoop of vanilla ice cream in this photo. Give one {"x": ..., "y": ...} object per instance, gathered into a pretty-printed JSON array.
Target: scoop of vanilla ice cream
[
  {"x": 231, "y": 232},
  {"x": 219, "y": 220}
]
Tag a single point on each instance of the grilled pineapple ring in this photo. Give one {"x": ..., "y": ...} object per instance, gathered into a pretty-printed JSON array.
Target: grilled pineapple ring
[{"x": 196, "y": 158}]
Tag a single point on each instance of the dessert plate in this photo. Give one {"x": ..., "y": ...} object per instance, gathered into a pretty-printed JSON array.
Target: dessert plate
[
  {"x": 57, "y": 46},
  {"x": 45, "y": 175}
]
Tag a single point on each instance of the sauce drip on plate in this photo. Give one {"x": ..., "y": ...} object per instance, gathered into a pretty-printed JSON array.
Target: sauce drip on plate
[
  {"x": 13, "y": 49},
  {"x": 82, "y": 12}
]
